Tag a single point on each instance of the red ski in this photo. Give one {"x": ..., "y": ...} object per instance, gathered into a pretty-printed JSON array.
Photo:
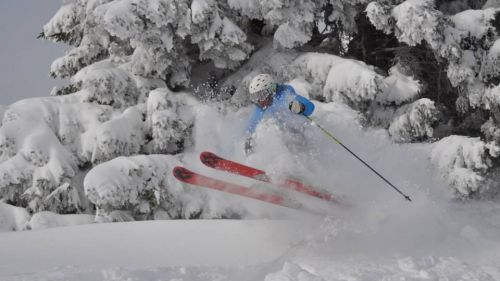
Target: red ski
[
  {"x": 219, "y": 163},
  {"x": 187, "y": 176}
]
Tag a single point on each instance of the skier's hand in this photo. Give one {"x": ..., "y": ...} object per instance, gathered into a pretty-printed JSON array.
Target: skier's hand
[
  {"x": 296, "y": 107},
  {"x": 249, "y": 146}
]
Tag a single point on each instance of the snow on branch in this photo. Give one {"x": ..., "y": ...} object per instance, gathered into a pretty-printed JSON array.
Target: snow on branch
[
  {"x": 170, "y": 119},
  {"x": 104, "y": 83},
  {"x": 399, "y": 88},
  {"x": 464, "y": 162},
  {"x": 417, "y": 20},
  {"x": 141, "y": 183},
  {"x": 293, "y": 19},
  {"x": 353, "y": 81},
  {"x": 336, "y": 78},
  {"x": 314, "y": 68},
  {"x": 121, "y": 135},
  {"x": 65, "y": 24},
  {"x": 218, "y": 38},
  {"x": 412, "y": 21},
  {"x": 414, "y": 122}
]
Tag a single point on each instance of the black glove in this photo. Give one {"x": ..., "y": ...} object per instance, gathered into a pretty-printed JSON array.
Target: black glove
[
  {"x": 249, "y": 143},
  {"x": 296, "y": 107}
]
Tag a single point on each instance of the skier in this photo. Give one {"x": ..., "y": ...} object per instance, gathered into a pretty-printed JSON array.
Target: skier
[{"x": 273, "y": 100}]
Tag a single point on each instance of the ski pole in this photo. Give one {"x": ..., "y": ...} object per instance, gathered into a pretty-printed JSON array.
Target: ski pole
[{"x": 330, "y": 135}]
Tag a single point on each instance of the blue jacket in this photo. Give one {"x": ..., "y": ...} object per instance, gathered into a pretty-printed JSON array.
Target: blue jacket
[{"x": 279, "y": 108}]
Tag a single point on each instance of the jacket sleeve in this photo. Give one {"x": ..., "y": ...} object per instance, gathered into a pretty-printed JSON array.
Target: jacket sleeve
[
  {"x": 308, "y": 105},
  {"x": 254, "y": 121}
]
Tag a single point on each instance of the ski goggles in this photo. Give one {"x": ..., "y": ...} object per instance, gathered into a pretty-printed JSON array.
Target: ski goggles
[{"x": 262, "y": 95}]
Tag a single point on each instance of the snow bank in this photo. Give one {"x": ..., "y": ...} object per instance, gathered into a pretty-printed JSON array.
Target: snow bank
[
  {"x": 46, "y": 219},
  {"x": 16, "y": 218},
  {"x": 404, "y": 268},
  {"x": 177, "y": 245},
  {"x": 13, "y": 218}
]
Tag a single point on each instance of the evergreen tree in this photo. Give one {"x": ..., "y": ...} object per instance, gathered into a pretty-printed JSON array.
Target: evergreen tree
[{"x": 422, "y": 69}]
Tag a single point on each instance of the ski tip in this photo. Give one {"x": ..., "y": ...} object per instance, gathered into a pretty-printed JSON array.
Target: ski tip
[
  {"x": 208, "y": 158},
  {"x": 207, "y": 154},
  {"x": 182, "y": 173}
]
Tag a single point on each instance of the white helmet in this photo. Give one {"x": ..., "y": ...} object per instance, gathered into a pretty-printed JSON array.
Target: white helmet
[{"x": 261, "y": 87}]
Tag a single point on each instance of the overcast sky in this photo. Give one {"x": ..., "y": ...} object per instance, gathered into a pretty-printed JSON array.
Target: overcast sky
[{"x": 24, "y": 60}]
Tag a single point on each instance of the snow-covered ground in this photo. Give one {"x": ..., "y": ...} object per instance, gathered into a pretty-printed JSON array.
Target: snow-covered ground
[
  {"x": 377, "y": 236},
  {"x": 146, "y": 245}
]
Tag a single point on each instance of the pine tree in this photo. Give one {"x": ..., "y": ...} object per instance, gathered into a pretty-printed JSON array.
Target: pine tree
[{"x": 421, "y": 69}]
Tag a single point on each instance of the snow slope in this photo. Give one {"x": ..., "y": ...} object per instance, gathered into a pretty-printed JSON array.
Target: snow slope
[
  {"x": 378, "y": 236},
  {"x": 147, "y": 244}
]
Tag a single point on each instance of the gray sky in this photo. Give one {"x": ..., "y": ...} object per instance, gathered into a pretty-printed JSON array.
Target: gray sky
[{"x": 24, "y": 60}]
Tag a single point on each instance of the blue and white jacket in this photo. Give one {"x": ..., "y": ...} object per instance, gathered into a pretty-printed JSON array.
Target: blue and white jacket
[{"x": 279, "y": 108}]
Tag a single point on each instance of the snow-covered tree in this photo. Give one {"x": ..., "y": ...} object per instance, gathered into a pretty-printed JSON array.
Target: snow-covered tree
[
  {"x": 413, "y": 67},
  {"x": 463, "y": 45},
  {"x": 121, "y": 51},
  {"x": 151, "y": 39}
]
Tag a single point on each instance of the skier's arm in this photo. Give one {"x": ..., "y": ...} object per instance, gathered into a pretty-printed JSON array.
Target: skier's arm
[
  {"x": 254, "y": 121},
  {"x": 252, "y": 125},
  {"x": 304, "y": 106}
]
